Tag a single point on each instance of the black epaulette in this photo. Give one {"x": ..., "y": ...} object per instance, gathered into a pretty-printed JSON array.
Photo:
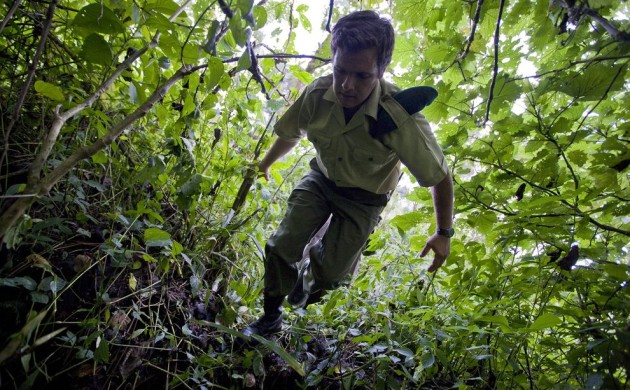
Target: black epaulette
[{"x": 412, "y": 99}]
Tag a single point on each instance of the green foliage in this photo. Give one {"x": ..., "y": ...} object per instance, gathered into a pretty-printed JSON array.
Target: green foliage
[{"x": 142, "y": 258}]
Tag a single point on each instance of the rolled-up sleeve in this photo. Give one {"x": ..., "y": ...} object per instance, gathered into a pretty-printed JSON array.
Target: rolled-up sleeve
[
  {"x": 415, "y": 145},
  {"x": 292, "y": 124}
]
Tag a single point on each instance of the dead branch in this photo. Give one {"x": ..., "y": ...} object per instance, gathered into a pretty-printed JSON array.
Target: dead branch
[
  {"x": 240, "y": 197},
  {"x": 607, "y": 25},
  {"x": 495, "y": 69},
  {"x": 226, "y": 9},
  {"x": 330, "y": 12},
  {"x": 286, "y": 47},
  {"x": 473, "y": 30},
  {"x": 9, "y": 14},
  {"x": 255, "y": 71},
  {"x": 251, "y": 173}
]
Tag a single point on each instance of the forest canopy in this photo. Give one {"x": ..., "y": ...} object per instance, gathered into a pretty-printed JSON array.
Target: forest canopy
[{"x": 132, "y": 224}]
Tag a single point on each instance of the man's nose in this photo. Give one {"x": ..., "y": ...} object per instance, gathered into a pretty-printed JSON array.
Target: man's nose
[{"x": 348, "y": 83}]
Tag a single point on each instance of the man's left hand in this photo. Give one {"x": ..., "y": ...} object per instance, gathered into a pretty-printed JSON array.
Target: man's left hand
[{"x": 441, "y": 247}]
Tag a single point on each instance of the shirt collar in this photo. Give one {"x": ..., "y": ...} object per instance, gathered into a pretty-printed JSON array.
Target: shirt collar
[
  {"x": 370, "y": 107},
  {"x": 371, "y": 104},
  {"x": 330, "y": 95}
]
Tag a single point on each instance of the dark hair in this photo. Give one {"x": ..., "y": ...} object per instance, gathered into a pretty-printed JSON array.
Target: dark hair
[{"x": 363, "y": 30}]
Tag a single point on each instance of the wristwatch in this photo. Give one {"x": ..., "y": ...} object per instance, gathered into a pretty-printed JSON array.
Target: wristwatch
[{"x": 450, "y": 232}]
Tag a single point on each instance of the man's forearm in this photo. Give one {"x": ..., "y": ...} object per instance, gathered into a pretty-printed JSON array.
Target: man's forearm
[
  {"x": 443, "y": 202},
  {"x": 440, "y": 244},
  {"x": 279, "y": 148}
]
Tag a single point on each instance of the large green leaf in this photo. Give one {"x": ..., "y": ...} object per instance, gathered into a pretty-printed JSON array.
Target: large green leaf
[
  {"x": 96, "y": 50},
  {"x": 245, "y": 60},
  {"x": 157, "y": 237},
  {"x": 49, "y": 90},
  {"x": 166, "y": 7},
  {"x": 240, "y": 31},
  {"x": 98, "y": 18},
  {"x": 102, "y": 353},
  {"x": 215, "y": 71},
  {"x": 260, "y": 16},
  {"x": 193, "y": 185},
  {"x": 408, "y": 220},
  {"x": 594, "y": 83},
  {"x": 547, "y": 320}
]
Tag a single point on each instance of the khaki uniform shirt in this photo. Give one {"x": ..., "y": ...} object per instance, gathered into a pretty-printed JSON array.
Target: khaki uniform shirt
[{"x": 348, "y": 155}]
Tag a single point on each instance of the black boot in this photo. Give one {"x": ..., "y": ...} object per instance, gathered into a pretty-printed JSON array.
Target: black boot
[{"x": 271, "y": 321}]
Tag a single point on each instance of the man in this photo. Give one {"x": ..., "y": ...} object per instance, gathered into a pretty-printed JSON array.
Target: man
[{"x": 353, "y": 173}]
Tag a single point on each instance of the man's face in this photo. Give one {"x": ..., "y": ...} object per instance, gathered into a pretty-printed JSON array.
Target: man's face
[{"x": 355, "y": 75}]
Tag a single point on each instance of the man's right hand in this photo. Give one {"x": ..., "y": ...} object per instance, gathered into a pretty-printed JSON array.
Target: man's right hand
[{"x": 262, "y": 171}]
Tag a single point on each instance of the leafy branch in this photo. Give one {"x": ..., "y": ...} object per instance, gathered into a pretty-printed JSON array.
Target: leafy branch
[
  {"x": 610, "y": 85},
  {"x": 570, "y": 65},
  {"x": 43, "y": 186},
  {"x": 469, "y": 41},
  {"x": 561, "y": 152},
  {"x": 577, "y": 211},
  {"x": 30, "y": 76},
  {"x": 62, "y": 118},
  {"x": 35, "y": 186},
  {"x": 470, "y": 194}
]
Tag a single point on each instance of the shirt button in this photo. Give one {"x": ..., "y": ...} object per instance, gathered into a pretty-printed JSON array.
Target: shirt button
[
  {"x": 339, "y": 159},
  {"x": 370, "y": 159}
]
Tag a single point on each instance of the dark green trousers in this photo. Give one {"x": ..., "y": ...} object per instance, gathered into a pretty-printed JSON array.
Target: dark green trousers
[{"x": 355, "y": 213}]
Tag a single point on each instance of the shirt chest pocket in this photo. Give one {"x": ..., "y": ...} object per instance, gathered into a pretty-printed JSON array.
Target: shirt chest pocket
[
  {"x": 320, "y": 142},
  {"x": 369, "y": 157}
]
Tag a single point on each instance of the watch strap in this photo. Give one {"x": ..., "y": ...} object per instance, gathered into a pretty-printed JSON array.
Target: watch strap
[{"x": 450, "y": 232}]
